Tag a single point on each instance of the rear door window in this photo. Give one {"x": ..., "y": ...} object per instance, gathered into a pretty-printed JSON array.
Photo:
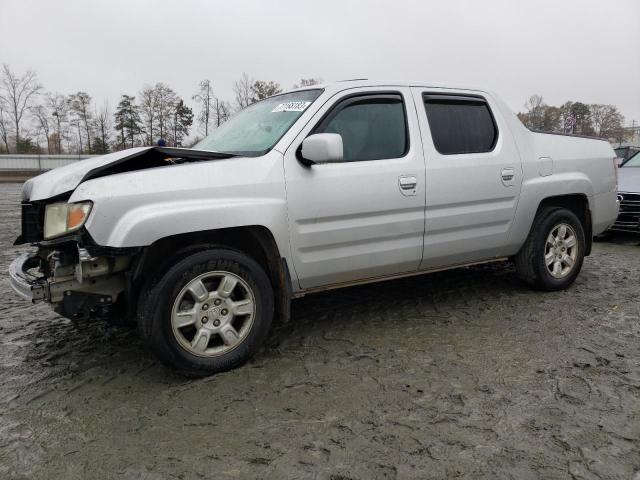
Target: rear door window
[{"x": 460, "y": 124}]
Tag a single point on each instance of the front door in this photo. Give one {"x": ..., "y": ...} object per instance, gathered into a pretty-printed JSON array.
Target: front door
[
  {"x": 473, "y": 177},
  {"x": 364, "y": 217}
]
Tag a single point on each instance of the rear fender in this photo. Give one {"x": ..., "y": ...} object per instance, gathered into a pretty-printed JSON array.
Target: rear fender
[{"x": 535, "y": 191}]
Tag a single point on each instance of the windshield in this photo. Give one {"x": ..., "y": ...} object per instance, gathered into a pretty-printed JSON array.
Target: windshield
[
  {"x": 256, "y": 129},
  {"x": 633, "y": 161}
]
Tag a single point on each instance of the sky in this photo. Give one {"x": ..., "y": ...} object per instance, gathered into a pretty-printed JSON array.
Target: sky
[{"x": 579, "y": 50}]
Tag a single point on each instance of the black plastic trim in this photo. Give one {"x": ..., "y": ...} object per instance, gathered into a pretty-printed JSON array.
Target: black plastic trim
[
  {"x": 34, "y": 232},
  {"x": 455, "y": 97}
]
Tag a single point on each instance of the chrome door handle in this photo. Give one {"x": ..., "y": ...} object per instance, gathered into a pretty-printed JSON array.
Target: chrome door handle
[
  {"x": 408, "y": 184},
  {"x": 507, "y": 174}
]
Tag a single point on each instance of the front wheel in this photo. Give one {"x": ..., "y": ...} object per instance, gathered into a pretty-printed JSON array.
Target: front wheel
[
  {"x": 552, "y": 256},
  {"x": 208, "y": 313}
]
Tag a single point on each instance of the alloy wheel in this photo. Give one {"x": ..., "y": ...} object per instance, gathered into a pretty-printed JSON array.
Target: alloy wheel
[
  {"x": 213, "y": 313},
  {"x": 561, "y": 250}
]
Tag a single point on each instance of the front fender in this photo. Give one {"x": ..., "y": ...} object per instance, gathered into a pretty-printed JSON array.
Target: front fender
[
  {"x": 144, "y": 225},
  {"x": 135, "y": 209}
]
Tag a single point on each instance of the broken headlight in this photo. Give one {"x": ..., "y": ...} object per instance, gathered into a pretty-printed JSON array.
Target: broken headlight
[{"x": 61, "y": 218}]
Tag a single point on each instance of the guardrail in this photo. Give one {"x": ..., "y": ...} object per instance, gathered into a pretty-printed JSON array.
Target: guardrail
[
  {"x": 37, "y": 163},
  {"x": 18, "y": 168}
]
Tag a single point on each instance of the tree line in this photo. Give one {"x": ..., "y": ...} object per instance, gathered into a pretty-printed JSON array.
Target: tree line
[
  {"x": 593, "y": 119},
  {"x": 33, "y": 120}
]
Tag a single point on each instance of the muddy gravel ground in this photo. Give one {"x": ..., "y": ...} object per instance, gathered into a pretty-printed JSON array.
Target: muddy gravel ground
[{"x": 457, "y": 374}]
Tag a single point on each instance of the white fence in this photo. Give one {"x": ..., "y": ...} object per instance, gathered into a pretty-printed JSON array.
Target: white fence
[{"x": 37, "y": 163}]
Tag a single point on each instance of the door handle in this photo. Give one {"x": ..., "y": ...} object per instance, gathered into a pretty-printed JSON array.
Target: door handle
[
  {"x": 507, "y": 174},
  {"x": 408, "y": 184}
]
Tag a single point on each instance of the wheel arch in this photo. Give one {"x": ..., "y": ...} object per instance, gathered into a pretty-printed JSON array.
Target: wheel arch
[
  {"x": 577, "y": 203},
  {"x": 256, "y": 241}
]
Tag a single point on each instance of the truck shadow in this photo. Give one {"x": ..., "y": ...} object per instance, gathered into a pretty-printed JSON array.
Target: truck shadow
[
  {"x": 620, "y": 238},
  {"x": 50, "y": 347},
  {"x": 422, "y": 299}
]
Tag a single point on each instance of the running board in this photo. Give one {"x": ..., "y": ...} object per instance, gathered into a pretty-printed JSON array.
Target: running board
[{"x": 395, "y": 276}]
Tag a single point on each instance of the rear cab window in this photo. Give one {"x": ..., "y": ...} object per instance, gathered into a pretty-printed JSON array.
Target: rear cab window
[{"x": 460, "y": 124}]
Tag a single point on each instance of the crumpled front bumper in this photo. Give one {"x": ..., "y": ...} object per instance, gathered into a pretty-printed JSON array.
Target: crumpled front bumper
[{"x": 28, "y": 286}]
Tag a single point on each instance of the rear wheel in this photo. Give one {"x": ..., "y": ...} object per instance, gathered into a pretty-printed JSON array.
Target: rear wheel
[
  {"x": 208, "y": 313},
  {"x": 552, "y": 256}
]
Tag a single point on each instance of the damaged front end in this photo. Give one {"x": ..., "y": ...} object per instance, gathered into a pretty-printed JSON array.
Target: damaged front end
[
  {"x": 80, "y": 281},
  {"x": 78, "y": 278},
  {"x": 69, "y": 270}
]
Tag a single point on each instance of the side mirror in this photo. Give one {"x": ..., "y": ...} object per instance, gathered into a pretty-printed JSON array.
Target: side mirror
[{"x": 322, "y": 148}]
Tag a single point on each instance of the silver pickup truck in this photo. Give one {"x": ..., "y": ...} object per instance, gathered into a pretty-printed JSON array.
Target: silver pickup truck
[{"x": 314, "y": 189}]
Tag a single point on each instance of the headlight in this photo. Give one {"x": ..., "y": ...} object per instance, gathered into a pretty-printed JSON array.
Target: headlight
[{"x": 61, "y": 218}]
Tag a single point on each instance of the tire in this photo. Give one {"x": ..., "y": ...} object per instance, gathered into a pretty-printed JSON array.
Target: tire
[
  {"x": 532, "y": 259},
  {"x": 198, "y": 321}
]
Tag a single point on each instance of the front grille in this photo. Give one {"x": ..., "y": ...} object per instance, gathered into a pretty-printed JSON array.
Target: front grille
[
  {"x": 32, "y": 223},
  {"x": 629, "y": 215}
]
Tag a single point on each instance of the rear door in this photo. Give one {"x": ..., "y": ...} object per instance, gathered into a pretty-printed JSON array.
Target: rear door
[
  {"x": 473, "y": 177},
  {"x": 363, "y": 217}
]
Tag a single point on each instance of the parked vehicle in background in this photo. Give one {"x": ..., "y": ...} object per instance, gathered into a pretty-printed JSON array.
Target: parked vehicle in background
[
  {"x": 629, "y": 196},
  {"x": 625, "y": 153},
  {"x": 306, "y": 191},
  {"x": 633, "y": 159}
]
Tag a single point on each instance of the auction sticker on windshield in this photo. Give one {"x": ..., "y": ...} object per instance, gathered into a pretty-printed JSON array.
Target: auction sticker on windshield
[{"x": 291, "y": 107}]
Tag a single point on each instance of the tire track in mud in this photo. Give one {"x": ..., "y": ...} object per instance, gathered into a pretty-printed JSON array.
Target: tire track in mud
[{"x": 465, "y": 373}]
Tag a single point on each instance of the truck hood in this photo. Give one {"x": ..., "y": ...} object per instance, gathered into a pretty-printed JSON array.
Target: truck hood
[
  {"x": 629, "y": 179},
  {"x": 63, "y": 180}
]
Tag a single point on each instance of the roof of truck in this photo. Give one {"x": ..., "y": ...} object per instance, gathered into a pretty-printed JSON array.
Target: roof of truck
[{"x": 364, "y": 82}]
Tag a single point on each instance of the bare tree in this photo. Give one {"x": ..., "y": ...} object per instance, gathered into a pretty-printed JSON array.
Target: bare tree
[
  {"x": 165, "y": 101},
  {"x": 76, "y": 124},
  {"x": 59, "y": 108},
  {"x": 4, "y": 128},
  {"x": 205, "y": 98},
  {"x": 607, "y": 120},
  {"x": 242, "y": 90},
  {"x": 18, "y": 94},
  {"x": 222, "y": 111},
  {"x": 148, "y": 110},
  {"x": 103, "y": 127},
  {"x": 80, "y": 104},
  {"x": 41, "y": 114},
  {"x": 157, "y": 105},
  {"x": 212, "y": 109},
  {"x": 535, "y": 111}
]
